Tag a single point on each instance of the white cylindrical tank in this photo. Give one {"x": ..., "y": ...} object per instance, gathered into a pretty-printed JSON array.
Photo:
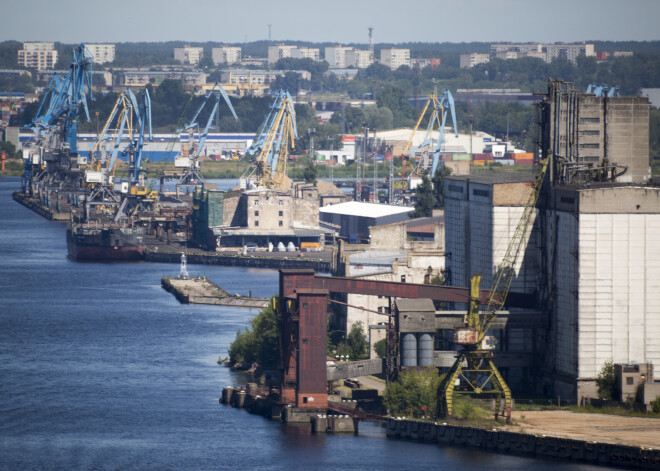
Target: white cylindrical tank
[
  {"x": 425, "y": 350},
  {"x": 409, "y": 350}
]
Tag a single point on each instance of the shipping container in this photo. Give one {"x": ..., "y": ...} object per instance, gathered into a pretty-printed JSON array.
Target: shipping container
[
  {"x": 459, "y": 157},
  {"x": 525, "y": 162},
  {"x": 482, "y": 157},
  {"x": 506, "y": 161},
  {"x": 479, "y": 163}
]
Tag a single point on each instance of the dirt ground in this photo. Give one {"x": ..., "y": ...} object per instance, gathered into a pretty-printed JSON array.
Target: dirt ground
[{"x": 620, "y": 430}]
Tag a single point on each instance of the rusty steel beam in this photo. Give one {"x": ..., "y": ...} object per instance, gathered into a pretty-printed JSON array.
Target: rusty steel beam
[{"x": 394, "y": 289}]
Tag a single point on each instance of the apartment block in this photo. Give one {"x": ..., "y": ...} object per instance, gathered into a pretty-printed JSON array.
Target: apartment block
[
  {"x": 395, "y": 57},
  {"x": 335, "y": 56},
  {"x": 102, "y": 53},
  {"x": 188, "y": 54},
  {"x": 37, "y": 55},
  {"x": 226, "y": 55},
  {"x": 468, "y": 61}
]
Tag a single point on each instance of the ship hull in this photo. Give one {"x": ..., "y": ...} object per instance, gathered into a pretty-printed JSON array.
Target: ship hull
[{"x": 106, "y": 244}]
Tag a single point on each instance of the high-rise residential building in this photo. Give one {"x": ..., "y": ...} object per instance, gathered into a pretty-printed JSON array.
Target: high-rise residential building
[
  {"x": 306, "y": 53},
  {"x": 395, "y": 57},
  {"x": 335, "y": 56},
  {"x": 358, "y": 58},
  {"x": 568, "y": 51},
  {"x": 547, "y": 52},
  {"x": 188, "y": 54},
  {"x": 226, "y": 55},
  {"x": 102, "y": 53},
  {"x": 37, "y": 55},
  {"x": 278, "y": 52},
  {"x": 470, "y": 60}
]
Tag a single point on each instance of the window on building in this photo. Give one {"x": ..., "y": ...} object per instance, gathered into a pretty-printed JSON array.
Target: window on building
[
  {"x": 281, "y": 223},
  {"x": 281, "y": 213},
  {"x": 281, "y": 203},
  {"x": 256, "y": 223},
  {"x": 256, "y": 213},
  {"x": 630, "y": 380},
  {"x": 256, "y": 202}
]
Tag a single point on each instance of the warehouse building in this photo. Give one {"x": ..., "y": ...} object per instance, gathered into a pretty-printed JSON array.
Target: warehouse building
[{"x": 355, "y": 218}]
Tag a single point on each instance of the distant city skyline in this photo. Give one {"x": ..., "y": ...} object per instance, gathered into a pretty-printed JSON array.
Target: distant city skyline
[{"x": 340, "y": 21}]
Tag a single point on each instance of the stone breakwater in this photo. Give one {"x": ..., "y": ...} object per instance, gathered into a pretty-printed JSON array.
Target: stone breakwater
[{"x": 603, "y": 454}]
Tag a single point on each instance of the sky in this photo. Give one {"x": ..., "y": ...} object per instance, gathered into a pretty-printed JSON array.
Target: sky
[{"x": 340, "y": 21}]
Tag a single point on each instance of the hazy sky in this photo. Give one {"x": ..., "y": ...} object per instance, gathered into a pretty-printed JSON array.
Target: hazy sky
[{"x": 344, "y": 21}]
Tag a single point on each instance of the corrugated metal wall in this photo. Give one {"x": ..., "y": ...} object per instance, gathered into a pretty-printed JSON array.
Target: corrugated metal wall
[{"x": 619, "y": 290}]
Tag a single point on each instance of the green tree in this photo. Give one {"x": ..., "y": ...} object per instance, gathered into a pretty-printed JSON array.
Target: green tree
[
  {"x": 258, "y": 343},
  {"x": 423, "y": 199},
  {"x": 413, "y": 391},
  {"x": 357, "y": 342},
  {"x": 606, "y": 382},
  {"x": 310, "y": 172},
  {"x": 354, "y": 345},
  {"x": 380, "y": 348}
]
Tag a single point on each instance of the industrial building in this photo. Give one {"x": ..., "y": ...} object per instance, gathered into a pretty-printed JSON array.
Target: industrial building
[
  {"x": 261, "y": 218},
  {"x": 355, "y": 218},
  {"x": 141, "y": 78},
  {"x": 589, "y": 266},
  {"x": 586, "y": 131},
  {"x": 257, "y": 77}
]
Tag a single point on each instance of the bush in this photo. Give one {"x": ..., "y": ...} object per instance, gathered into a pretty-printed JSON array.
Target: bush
[
  {"x": 655, "y": 405},
  {"x": 412, "y": 391}
]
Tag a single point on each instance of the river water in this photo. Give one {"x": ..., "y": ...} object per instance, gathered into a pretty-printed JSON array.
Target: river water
[{"x": 100, "y": 368}]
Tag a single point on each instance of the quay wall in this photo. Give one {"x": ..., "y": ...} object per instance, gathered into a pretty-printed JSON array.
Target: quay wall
[
  {"x": 239, "y": 261},
  {"x": 602, "y": 454}
]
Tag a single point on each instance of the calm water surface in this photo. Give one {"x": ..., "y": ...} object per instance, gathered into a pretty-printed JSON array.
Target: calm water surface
[{"x": 100, "y": 368}]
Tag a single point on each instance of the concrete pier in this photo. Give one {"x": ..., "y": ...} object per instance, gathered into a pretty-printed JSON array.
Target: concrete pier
[{"x": 200, "y": 290}]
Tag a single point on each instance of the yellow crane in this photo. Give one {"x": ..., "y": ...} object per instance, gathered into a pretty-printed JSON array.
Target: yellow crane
[
  {"x": 481, "y": 375},
  {"x": 271, "y": 146}
]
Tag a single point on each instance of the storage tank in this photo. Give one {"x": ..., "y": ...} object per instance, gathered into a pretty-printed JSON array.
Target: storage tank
[
  {"x": 409, "y": 350},
  {"x": 425, "y": 350}
]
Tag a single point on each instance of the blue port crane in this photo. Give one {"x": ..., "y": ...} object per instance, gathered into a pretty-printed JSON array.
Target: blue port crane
[
  {"x": 439, "y": 109},
  {"x": 270, "y": 149},
  {"x": 55, "y": 150},
  {"x": 602, "y": 90},
  {"x": 190, "y": 164}
]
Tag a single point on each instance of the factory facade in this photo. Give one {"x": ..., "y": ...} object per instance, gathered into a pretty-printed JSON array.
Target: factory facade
[{"x": 590, "y": 265}]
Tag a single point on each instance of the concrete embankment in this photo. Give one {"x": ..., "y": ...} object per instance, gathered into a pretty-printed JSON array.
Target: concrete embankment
[
  {"x": 603, "y": 454},
  {"x": 256, "y": 261}
]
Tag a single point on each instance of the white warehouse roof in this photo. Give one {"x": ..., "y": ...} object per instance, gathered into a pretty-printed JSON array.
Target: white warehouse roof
[{"x": 372, "y": 210}]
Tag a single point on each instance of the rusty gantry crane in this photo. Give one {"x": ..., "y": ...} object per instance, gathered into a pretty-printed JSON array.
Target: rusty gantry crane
[{"x": 481, "y": 375}]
